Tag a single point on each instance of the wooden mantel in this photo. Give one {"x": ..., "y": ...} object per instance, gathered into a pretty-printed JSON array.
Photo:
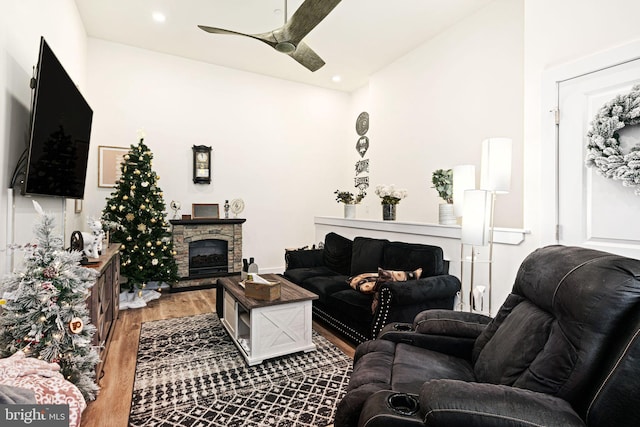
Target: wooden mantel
[{"x": 207, "y": 221}]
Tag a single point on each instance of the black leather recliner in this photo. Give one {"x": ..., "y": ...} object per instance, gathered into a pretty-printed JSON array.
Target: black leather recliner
[{"x": 563, "y": 350}]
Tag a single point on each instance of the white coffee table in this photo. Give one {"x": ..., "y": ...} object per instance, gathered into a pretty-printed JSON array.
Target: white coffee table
[{"x": 266, "y": 329}]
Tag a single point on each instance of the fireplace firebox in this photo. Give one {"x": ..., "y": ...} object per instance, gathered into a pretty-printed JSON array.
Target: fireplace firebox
[{"x": 207, "y": 257}]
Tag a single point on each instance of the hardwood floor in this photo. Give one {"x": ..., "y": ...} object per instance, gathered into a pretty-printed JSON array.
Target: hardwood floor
[{"x": 111, "y": 408}]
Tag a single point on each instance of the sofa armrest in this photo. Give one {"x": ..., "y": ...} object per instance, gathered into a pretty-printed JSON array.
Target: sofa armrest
[
  {"x": 427, "y": 288},
  {"x": 304, "y": 258},
  {"x": 402, "y": 301},
  {"x": 453, "y": 402}
]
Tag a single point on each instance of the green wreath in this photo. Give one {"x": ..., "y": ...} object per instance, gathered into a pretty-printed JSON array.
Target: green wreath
[{"x": 603, "y": 149}]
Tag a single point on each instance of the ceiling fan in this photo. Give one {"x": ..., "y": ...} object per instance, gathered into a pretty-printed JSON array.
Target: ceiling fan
[{"x": 288, "y": 38}]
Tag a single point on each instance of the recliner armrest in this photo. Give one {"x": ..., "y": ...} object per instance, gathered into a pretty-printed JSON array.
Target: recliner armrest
[
  {"x": 453, "y": 402},
  {"x": 455, "y": 346},
  {"x": 451, "y": 323},
  {"x": 304, "y": 258}
]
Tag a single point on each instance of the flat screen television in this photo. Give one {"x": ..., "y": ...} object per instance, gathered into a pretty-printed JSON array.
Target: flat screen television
[{"x": 60, "y": 131}]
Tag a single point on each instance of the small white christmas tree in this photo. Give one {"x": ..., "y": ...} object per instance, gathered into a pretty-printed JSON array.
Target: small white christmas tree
[{"x": 44, "y": 309}]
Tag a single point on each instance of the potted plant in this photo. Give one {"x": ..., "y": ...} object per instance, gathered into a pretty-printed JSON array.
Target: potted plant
[
  {"x": 442, "y": 181},
  {"x": 350, "y": 201},
  {"x": 390, "y": 196}
]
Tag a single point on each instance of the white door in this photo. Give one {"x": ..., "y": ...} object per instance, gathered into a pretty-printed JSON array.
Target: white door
[{"x": 594, "y": 211}]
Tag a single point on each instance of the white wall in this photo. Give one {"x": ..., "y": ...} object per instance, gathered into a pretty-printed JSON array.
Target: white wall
[
  {"x": 21, "y": 25},
  {"x": 277, "y": 145},
  {"x": 432, "y": 108}
]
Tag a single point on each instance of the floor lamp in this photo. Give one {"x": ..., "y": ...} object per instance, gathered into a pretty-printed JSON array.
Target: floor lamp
[
  {"x": 476, "y": 219},
  {"x": 464, "y": 178},
  {"x": 495, "y": 177}
]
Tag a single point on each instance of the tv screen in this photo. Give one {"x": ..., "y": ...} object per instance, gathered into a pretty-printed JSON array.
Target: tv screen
[{"x": 60, "y": 131}]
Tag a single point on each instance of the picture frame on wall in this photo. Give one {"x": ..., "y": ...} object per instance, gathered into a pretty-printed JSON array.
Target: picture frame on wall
[
  {"x": 109, "y": 161},
  {"x": 205, "y": 211}
]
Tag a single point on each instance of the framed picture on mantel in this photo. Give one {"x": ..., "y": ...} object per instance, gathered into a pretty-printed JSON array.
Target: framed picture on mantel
[{"x": 205, "y": 211}]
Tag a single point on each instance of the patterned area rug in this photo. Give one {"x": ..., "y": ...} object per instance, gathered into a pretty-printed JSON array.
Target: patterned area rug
[{"x": 189, "y": 373}]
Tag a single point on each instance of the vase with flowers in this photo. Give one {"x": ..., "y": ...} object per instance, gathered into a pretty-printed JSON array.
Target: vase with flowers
[
  {"x": 390, "y": 197},
  {"x": 442, "y": 180},
  {"x": 350, "y": 201}
]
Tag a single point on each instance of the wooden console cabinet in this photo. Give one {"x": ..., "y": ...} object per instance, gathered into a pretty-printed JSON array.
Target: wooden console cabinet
[{"x": 103, "y": 302}]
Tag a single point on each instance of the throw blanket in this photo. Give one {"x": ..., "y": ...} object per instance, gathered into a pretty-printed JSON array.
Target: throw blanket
[{"x": 45, "y": 381}]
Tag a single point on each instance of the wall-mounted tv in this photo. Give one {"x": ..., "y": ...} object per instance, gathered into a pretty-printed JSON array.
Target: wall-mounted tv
[{"x": 60, "y": 132}]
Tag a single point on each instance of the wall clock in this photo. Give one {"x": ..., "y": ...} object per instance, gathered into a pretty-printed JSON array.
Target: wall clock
[{"x": 201, "y": 164}]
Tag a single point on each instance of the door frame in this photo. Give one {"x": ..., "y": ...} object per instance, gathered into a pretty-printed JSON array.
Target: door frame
[{"x": 551, "y": 80}]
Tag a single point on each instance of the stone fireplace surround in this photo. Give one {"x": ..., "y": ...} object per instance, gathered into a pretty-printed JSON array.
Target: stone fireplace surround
[{"x": 185, "y": 231}]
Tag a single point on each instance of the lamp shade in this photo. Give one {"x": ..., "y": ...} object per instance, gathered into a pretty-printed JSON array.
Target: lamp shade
[
  {"x": 476, "y": 217},
  {"x": 464, "y": 178},
  {"x": 495, "y": 173}
]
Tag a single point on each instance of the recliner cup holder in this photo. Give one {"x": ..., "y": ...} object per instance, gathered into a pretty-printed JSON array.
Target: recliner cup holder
[
  {"x": 403, "y": 403},
  {"x": 402, "y": 327}
]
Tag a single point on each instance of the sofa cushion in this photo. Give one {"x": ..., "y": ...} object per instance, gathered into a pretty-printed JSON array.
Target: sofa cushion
[
  {"x": 366, "y": 255},
  {"x": 352, "y": 305},
  {"x": 325, "y": 286},
  {"x": 413, "y": 366},
  {"x": 337, "y": 253},
  {"x": 299, "y": 275},
  {"x": 411, "y": 256}
]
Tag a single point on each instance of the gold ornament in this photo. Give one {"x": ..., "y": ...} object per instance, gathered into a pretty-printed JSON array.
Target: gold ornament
[
  {"x": 125, "y": 197},
  {"x": 153, "y": 220},
  {"x": 129, "y": 238},
  {"x": 121, "y": 208},
  {"x": 158, "y": 242},
  {"x": 142, "y": 227},
  {"x": 135, "y": 248},
  {"x": 133, "y": 187},
  {"x": 122, "y": 247},
  {"x": 148, "y": 244},
  {"x": 113, "y": 207},
  {"x": 136, "y": 172},
  {"x": 126, "y": 157},
  {"x": 142, "y": 207},
  {"x": 152, "y": 254},
  {"x": 129, "y": 216}
]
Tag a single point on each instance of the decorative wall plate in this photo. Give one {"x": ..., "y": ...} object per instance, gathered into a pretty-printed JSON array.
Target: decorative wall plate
[
  {"x": 237, "y": 206},
  {"x": 362, "y": 123},
  {"x": 362, "y": 145}
]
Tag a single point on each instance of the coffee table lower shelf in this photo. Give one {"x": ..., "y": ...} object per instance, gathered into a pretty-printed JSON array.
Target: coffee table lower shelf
[{"x": 262, "y": 330}]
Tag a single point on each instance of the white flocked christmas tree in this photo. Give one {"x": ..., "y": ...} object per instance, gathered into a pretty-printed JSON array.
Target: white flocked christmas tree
[{"x": 44, "y": 312}]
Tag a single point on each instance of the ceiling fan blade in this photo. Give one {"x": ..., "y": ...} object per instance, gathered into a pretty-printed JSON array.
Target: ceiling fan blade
[
  {"x": 265, "y": 38},
  {"x": 305, "y": 19},
  {"x": 307, "y": 57}
]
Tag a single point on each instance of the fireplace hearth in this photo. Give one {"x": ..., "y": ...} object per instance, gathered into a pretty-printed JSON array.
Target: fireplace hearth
[{"x": 206, "y": 249}]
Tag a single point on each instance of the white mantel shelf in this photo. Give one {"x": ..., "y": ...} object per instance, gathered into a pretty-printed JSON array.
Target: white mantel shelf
[{"x": 507, "y": 236}]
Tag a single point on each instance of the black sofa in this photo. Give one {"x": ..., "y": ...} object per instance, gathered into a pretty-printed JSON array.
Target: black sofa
[
  {"x": 563, "y": 350},
  {"x": 326, "y": 271}
]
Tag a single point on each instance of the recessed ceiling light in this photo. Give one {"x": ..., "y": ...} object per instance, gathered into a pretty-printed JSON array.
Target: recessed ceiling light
[
  {"x": 158, "y": 16},
  {"x": 336, "y": 79}
]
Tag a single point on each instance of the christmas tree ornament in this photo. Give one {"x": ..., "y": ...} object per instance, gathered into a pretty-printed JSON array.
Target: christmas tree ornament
[{"x": 76, "y": 325}]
